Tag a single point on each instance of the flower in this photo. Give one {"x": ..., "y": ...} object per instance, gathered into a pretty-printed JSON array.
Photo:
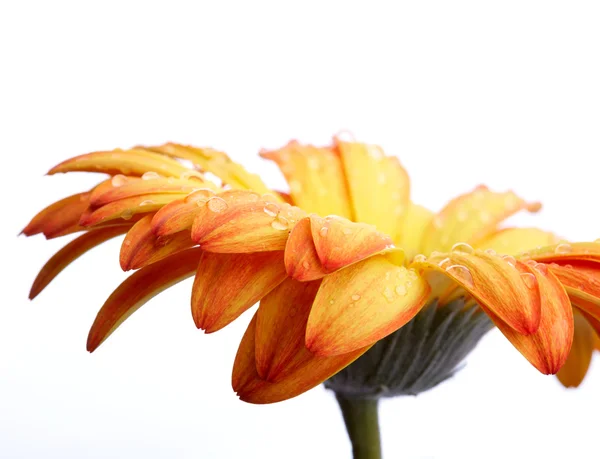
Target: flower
[{"x": 342, "y": 261}]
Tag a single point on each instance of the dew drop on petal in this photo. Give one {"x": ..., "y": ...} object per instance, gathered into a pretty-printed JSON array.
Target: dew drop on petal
[
  {"x": 127, "y": 214},
  {"x": 388, "y": 294},
  {"x": 419, "y": 258},
  {"x": 346, "y": 231},
  {"x": 280, "y": 224},
  {"x": 462, "y": 273},
  {"x": 150, "y": 175},
  {"x": 563, "y": 248},
  {"x": 323, "y": 231},
  {"x": 305, "y": 264},
  {"x": 462, "y": 247},
  {"x": 271, "y": 209},
  {"x": 118, "y": 180},
  {"x": 491, "y": 252},
  {"x": 331, "y": 301},
  {"x": 444, "y": 262},
  {"x": 510, "y": 260},
  {"x": 147, "y": 202},
  {"x": 216, "y": 204},
  {"x": 400, "y": 290},
  {"x": 542, "y": 267},
  {"x": 187, "y": 175},
  {"x": 127, "y": 242},
  {"x": 355, "y": 297},
  {"x": 529, "y": 280}
]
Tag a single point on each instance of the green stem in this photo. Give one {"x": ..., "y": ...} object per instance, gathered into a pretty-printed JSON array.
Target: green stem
[{"x": 362, "y": 424}]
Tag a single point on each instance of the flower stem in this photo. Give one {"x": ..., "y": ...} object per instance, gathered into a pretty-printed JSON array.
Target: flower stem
[{"x": 362, "y": 423}]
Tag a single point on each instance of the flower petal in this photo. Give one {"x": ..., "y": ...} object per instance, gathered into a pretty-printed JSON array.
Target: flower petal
[
  {"x": 301, "y": 259},
  {"x": 471, "y": 217},
  {"x": 546, "y": 349},
  {"x": 379, "y": 186},
  {"x": 130, "y": 162},
  {"x": 316, "y": 178},
  {"x": 137, "y": 289},
  {"x": 411, "y": 232},
  {"x": 58, "y": 217},
  {"x": 512, "y": 241},
  {"x": 280, "y": 328},
  {"x": 496, "y": 283},
  {"x": 565, "y": 252},
  {"x": 142, "y": 247},
  {"x": 127, "y": 208},
  {"x": 312, "y": 372},
  {"x": 362, "y": 304},
  {"x": 69, "y": 253},
  {"x": 581, "y": 279},
  {"x": 241, "y": 222},
  {"x": 576, "y": 366},
  {"x": 179, "y": 215},
  {"x": 227, "y": 284}
]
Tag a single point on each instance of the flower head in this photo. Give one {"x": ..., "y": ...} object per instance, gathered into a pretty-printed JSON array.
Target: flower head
[{"x": 342, "y": 261}]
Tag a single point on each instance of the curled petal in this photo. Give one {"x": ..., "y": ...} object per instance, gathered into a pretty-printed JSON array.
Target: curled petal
[
  {"x": 60, "y": 217},
  {"x": 565, "y": 252},
  {"x": 69, "y": 253},
  {"x": 280, "y": 327},
  {"x": 310, "y": 373},
  {"x": 316, "y": 178},
  {"x": 498, "y": 284},
  {"x": 242, "y": 222},
  {"x": 512, "y": 241},
  {"x": 471, "y": 218},
  {"x": 379, "y": 186},
  {"x": 139, "y": 288},
  {"x": 142, "y": 247},
  {"x": 362, "y": 304},
  {"x": 226, "y": 285},
  {"x": 547, "y": 348},
  {"x": 576, "y": 366},
  {"x": 129, "y": 162},
  {"x": 179, "y": 215},
  {"x": 127, "y": 208}
]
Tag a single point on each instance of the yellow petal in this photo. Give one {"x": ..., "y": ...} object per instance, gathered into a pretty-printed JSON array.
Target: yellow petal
[
  {"x": 227, "y": 284},
  {"x": 316, "y": 178},
  {"x": 512, "y": 241},
  {"x": 362, "y": 304},
  {"x": 471, "y": 217},
  {"x": 379, "y": 186},
  {"x": 280, "y": 328},
  {"x": 411, "y": 232},
  {"x": 312, "y": 372},
  {"x": 139, "y": 288},
  {"x": 497, "y": 284},
  {"x": 575, "y": 368}
]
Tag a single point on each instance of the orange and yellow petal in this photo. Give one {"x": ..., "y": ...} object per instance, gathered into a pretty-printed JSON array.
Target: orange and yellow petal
[
  {"x": 227, "y": 284},
  {"x": 565, "y": 252},
  {"x": 362, "y": 304},
  {"x": 578, "y": 362},
  {"x": 60, "y": 217},
  {"x": 471, "y": 218},
  {"x": 513, "y": 241},
  {"x": 138, "y": 289}
]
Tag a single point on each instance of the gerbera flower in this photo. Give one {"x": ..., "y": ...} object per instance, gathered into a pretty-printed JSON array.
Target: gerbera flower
[{"x": 341, "y": 262}]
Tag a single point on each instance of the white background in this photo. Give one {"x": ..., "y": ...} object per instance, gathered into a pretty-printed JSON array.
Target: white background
[{"x": 504, "y": 93}]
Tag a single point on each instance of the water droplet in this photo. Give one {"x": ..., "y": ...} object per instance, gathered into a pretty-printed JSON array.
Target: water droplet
[
  {"x": 563, "y": 248},
  {"x": 127, "y": 242},
  {"x": 118, "y": 180},
  {"x": 412, "y": 275},
  {"x": 462, "y": 247},
  {"x": 305, "y": 264},
  {"x": 147, "y": 202},
  {"x": 346, "y": 231},
  {"x": 331, "y": 301},
  {"x": 271, "y": 209},
  {"x": 187, "y": 175},
  {"x": 401, "y": 290},
  {"x": 376, "y": 152},
  {"x": 491, "y": 252},
  {"x": 280, "y": 223},
  {"x": 388, "y": 294},
  {"x": 253, "y": 197},
  {"x": 569, "y": 266},
  {"x": 542, "y": 267},
  {"x": 150, "y": 175},
  {"x": 462, "y": 273},
  {"x": 323, "y": 231},
  {"x": 216, "y": 204},
  {"x": 445, "y": 261},
  {"x": 419, "y": 258},
  {"x": 127, "y": 214},
  {"x": 529, "y": 280},
  {"x": 355, "y": 297},
  {"x": 510, "y": 260}
]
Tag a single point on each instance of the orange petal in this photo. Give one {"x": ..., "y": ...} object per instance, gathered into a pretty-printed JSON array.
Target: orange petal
[
  {"x": 471, "y": 218},
  {"x": 575, "y": 368},
  {"x": 548, "y": 348},
  {"x": 131, "y": 162},
  {"x": 179, "y": 215},
  {"x": 379, "y": 186},
  {"x": 582, "y": 282},
  {"x": 127, "y": 208},
  {"x": 316, "y": 178},
  {"x": 565, "y": 252},
  {"x": 59, "y": 217},
  {"x": 496, "y": 283},
  {"x": 137, "y": 289},
  {"x": 241, "y": 222},
  {"x": 142, "y": 187},
  {"x": 312, "y": 372},
  {"x": 301, "y": 259},
  {"x": 226, "y": 285},
  {"x": 142, "y": 247},
  {"x": 512, "y": 241},
  {"x": 69, "y": 253},
  {"x": 280, "y": 327},
  {"x": 362, "y": 304}
]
